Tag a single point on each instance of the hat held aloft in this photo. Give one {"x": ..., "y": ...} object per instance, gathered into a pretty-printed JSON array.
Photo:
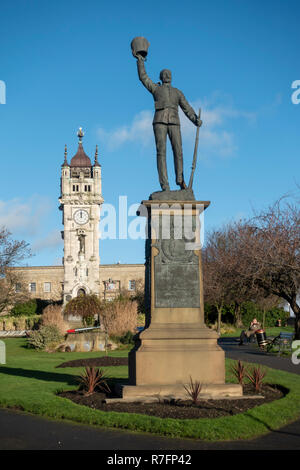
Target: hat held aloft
[{"x": 140, "y": 45}]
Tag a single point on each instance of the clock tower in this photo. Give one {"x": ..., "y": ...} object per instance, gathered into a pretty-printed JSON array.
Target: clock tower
[{"x": 80, "y": 203}]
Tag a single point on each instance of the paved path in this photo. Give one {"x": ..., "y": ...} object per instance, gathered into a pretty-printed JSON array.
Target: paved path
[
  {"x": 24, "y": 431},
  {"x": 251, "y": 353}
]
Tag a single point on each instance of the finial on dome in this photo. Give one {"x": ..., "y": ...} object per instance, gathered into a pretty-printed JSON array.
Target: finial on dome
[
  {"x": 96, "y": 157},
  {"x": 80, "y": 134}
]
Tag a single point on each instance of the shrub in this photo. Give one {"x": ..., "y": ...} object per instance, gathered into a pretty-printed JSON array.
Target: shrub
[
  {"x": 256, "y": 376},
  {"x": 193, "y": 389},
  {"x": 91, "y": 379},
  {"x": 239, "y": 371},
  {"x": 32, "y": 322},
  {"x": 140, "y": 297},
  {"x": 85, "y": 306},
  {"x": 119, "y": 316},
  {"x": 126, "y": 339},
  {"x": 52, "y": 315},
  {"x": 88, "y": 321},
  {"x": 250, "y": 310},
  {"x": 275, "y": 314},
  {"x": 47, "y": 337}
]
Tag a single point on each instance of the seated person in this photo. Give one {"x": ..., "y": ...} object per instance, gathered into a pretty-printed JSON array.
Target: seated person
[{"x": 246, "y": 335}]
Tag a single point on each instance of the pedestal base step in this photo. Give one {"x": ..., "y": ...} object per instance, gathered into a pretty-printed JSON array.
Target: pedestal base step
[
  {"x": 111, "y": 401},
  {"x": 177, "y": 391}
]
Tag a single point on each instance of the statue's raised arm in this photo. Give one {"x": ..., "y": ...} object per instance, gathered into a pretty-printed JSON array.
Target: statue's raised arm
[{"x": 146, "y": 81}]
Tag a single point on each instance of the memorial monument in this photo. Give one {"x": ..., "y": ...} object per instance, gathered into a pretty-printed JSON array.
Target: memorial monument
[{"x": 175, "y": 345}]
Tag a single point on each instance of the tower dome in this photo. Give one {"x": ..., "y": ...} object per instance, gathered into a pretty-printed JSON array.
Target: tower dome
[{"x": 80, "y": 159}]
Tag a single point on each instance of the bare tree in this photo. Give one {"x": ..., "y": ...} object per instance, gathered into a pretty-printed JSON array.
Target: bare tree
[
  {"x": 215, "y": 289},
  {"x": 268, "y": 247},
  {"x": 221, "y": 285},
  {"x": 12, "y": 285},
  {"x": 273, "y": 242},
  {"x": 12, "y": 252}
]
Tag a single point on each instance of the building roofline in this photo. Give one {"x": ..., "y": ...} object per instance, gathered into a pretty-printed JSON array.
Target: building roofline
[
  {"x": 114, "y": 265},
  {"x": 35, "y": 267}
]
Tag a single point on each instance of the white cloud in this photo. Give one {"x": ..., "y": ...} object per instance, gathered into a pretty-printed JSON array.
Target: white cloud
[
  {"x": 139, "y": 130},
  {"x": 215, "y": 134},
  {"x": 50, "y": 243},
  {"x": 24, "y": 217}
]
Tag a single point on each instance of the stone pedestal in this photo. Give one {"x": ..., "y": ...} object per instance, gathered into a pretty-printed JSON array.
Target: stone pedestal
[{"x": 176, "y": 345}]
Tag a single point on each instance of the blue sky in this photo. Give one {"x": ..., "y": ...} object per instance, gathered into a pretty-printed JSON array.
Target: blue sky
[{"x": 68, "y": 64}]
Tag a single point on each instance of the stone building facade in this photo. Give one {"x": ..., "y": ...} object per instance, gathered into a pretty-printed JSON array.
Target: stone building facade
[
  {"x": 47, "y": 282},
  {"x": 81, "y": 272}
]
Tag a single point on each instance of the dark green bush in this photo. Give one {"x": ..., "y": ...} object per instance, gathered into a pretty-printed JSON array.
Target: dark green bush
[
  {"x": 25, "y": 309},
  {"x": 126, "y": 339},
  {"x": 250, "y": 311},
  {"x": 31, "y": 307},
  {"x": 211, "y": 314},
  {"x": 88, "y": 321}
]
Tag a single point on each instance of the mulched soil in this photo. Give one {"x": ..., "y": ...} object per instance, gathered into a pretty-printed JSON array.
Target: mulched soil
[
  {"x": 180, "y": 409},
  {"x": 96, "y": 362}
]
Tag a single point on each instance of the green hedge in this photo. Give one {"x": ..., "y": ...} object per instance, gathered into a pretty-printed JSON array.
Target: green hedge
[
  {"x": 31, "y": 307},
  {"x": 249, "y": 311},
  {"x": 25, "y": 308},
  {"x": 10, "y": 322}
]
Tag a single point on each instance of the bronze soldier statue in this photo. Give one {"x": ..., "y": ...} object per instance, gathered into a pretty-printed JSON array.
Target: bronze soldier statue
[{"x": 166, "y": 119}]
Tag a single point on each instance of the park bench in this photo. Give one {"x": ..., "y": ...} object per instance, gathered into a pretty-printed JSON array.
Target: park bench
[{"x": 283, "y": 342}]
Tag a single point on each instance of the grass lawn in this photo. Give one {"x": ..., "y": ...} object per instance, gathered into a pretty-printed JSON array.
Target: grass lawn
[{"x": 30, "y": 381}]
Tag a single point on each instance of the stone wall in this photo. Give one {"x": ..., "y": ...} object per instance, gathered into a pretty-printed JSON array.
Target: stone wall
[
  {"x": 112, "y": 279},
  {"x": 40, "y": 276}
]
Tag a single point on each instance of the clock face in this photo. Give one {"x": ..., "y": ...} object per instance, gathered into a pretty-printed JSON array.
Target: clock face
[{"x": 81, "y": 217}]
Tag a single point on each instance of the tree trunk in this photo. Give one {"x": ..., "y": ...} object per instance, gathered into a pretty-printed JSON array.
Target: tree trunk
[
  {"x": 106, "y": 343},
  {"x": 296, "y": 309},
  {"x": 238, "y": 315},
  {"x": 219, "y": 309}
]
